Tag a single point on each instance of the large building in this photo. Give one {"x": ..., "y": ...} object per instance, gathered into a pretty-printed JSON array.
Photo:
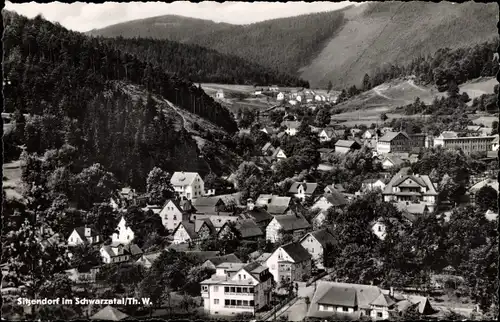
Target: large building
[
  {"x": 188, "y": 184},
  {"x": 469, "y": 144},
  {"x": 405, "y": 187},
  {"x": 237, "y": 288},
  {"x": 394, "y": 142},
  {"x": 289, "y": 263}
]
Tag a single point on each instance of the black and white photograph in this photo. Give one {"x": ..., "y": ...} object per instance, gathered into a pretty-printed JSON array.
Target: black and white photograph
[{"x": 250, "y": 161}]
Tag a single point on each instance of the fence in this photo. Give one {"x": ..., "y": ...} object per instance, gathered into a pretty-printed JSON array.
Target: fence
[{"x": 288, "y": 301}]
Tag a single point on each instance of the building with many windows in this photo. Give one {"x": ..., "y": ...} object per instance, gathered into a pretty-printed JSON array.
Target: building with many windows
[
  {"x": 469, "y": 144},
  {"x": 237, "y": 288},
  {"x": 188, "y": 184}
]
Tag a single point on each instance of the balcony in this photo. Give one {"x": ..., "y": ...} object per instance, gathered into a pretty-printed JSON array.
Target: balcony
[
  {"x": 250, "y": 308},
  {"x": 240, "y": 294}
]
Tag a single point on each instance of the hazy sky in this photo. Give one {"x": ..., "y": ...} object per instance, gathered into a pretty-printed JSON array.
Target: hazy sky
[{"x": 80, "y": 16}]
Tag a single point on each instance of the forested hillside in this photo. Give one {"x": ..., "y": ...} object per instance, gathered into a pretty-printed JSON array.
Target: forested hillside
[
  {"x": 281, "y": 44},
  {"x": 396, "y": 32},
  {"x": 69, "y": 84},
  {"x": 199, "y": 64}
]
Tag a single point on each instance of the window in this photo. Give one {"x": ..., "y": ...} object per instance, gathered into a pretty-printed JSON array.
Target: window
[
  {"x": 379, "y": 314},
  {"x": 233, "y": 290},
  {"x": 239, "y": 276},
  {"x": 175, "y": 217},
  {"x": 216, "y": 289},
  {"x": 216, "y": 301},
  {"x": 312, "y": 250},
  {"x": 379, "y": 228},
  {"x": 245, "y": 303},
  {"x": 238, "y": 290},
  {"x": 345, "y": 309},
  {"x": 251, "y": 303},
  {"x": 244, "y": 277},
  {"x": 226, "y": 289},
  {"x": 238, "y": 302},
  {"x": 227, "y": 302},
  {"x": 204, "y": 288}
]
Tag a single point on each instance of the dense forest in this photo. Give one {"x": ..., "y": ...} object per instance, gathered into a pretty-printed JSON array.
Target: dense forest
[
  {"x": 280, "y": 44},
  {"x": 69, "y": 84},
  {"x": 199, "y": 64},
  {"x": 446, "y": 66}
]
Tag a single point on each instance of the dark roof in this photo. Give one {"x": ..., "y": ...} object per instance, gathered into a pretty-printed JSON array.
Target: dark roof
[
  {"x": 309, "y": 187},
  {"x": 296, "y": 252},
  {"x": 323, "y": 236},
  {"x": 336, "y": 198},
  {"x": 207, "y": 201},
  {"x": 383, "y": 300},
  {"x": 81, "y": 232},
  {"x": 389, "y": 136},
  {"x": 229, "y": 258},
  {"x": 258, "y": 214},
  {"x": 325, "y": 150},
  {"x": 248, "y": 228},
  {"x": 202, "y": 256},
  {"x": 339, "y": 296},
  {"x": 346, "y": 143},
  {"x": 292, "y": 222}
]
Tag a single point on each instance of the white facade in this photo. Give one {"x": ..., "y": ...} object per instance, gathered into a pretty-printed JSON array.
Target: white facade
[
  {"x": 125, "y": 234},
  {"x": 383, "y": 147},
  {"x": 240, "y": 293},
  {"x": 378, "y": 229},
  {"x": 323, "y": 136},
  {"x": 118, "y": 250},
  {"x": 313, "y": 247},
  {"x": 284, "y": 268},
  {"x": 292, "y": 102},
  {"x": 188, "y": 184},
  {"x": 272, "y": 231},
  {"x": 170, "y": 216},
  {"x": 280, "y": 96},
  {"x": 75, "y": 238},
  {"x": 181, "y": 235},
  {"x": 291, "y": 131},
  {"x": 281, "y": 155},
  {"x": 332, "y": 308},
  {"x": 322, "y": 203}
]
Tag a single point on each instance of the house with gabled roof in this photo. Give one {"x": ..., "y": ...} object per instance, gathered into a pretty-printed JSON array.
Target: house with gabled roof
[
  {"x": 188, "y": 184},
  {"x": 289, "y": 263},
  {"x": 268, "y": 130},
  {"x": 218, "y": 221},
  {"x": 209, "y": 205},
  {"x": 303, "y": 190},
  {"x": 327, "y": 134},
  {"x": 275, "y": 205},
  {"x": 394, "y": 142},
  {"x": 390, "y": 161},
  {"x": 333, "y": 199},
  {"x": 247, "y": 229},
  {"x": 193, "y": 231},
  {"x": 292, "y": 127},
  {"x": 147, "y": 259},
  {"x": 294, "y": 224},
  {"x": 411, "y": 187},
  {"x": 83, "y": 235},
  {"x": 334, "y": 187},
  {"x": 278, "y": 154},
  {"x": 174, "y": 211},
  {"x": 268, "y": 149},
  {"x": 315, "y": 243},
  {"x": 345, "y": 301},
  {"x": 213, "y": 262},
  {"x": 125, "y": 234},
  {"x": 119, "y": 253},
  {"x": 257, "y": 213},
  {"x": 345, "y": 146},
  {"x": 237, "y": 288}
]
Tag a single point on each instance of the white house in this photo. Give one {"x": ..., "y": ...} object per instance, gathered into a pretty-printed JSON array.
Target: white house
[
  {"x": 125, "y": 234},
  {"x": 248, "y": 290},
  {"x": 494, "y": 143},
  {"x": 294, "y": 224},
  {"x": 173, "y": 212},
  {"x": 289, "y": 263},
  {"x": 193, "y": 231},
  {"x": 372, "y": 184},
  {"x": 315, "y": 243},
  {"x": 292, "y": 127},
  {"x": 292, "y": 102},
  {"x": 188, "y": 184},
  {"x": 147, "y": 260},
  {"x": 333, "y": 199},
  {"x": 280, "y": 96},
  {"x": 118, "y": 253},
  {"x": 219, "y": 94},
  {"x": 274, "y": 88},
  {"x": 279, "y": 154},
  {"x": 83, "y": 235},
  {"x": 301, "y": 190}
]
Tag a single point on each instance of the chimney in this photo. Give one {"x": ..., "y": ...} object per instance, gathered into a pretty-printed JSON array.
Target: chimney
[{"x": 250, "y": 204}]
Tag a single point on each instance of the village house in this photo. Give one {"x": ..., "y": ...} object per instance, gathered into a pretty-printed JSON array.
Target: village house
[
  {"x": 248, "y": 290},
  {"x": 418, "y": 140},
  {"x": 469, "y": 145},
  {"x": 247, "y": 229},
  {"x": 303, "y": 190},
  {"x": 275, "y": 205},
  {"x": 344, "y": 301},
  {"x": 278, "y": 154},
  {"x": 188, "y": 184},
  {"x": 291, "y": 224},
  {"x": 393, "y": 142},
  {"x": 268, "y": 130},
  {"x": 345, "y": 146},
  {"x": 127, "y": 193},
  {"x": 315, "y": 243},
  {"x": 147, "y": 259},
  {"x": 274, "y": 88},
  {"x": 268, "y": 149},
  {"x": 83, "y": 235},
  {"x": 218, "y": 221},
  {"x": 193, "y": 231},
  {"x": 174, "y": 211},
  {"x": 82, "y": 276},
  {"x": 327, "y": 134},
  {"x": 280, "y": 96},
  {"x": 219, "y": 94},
  {"x": 476, "y": 187},
  {"x": 333, "y": 199},
  {"x": 379, "y": 226},
  {"x": 257, "y": 213},
  {"x": 372, "y": 185},
  {"x": 212, "y": 205},
  {"x": 213, "y": 262},
  {"x": 415, "y": 187},
  {"x": 410, "y": 209},
  {"x": 369, "y": 134},
  {"x": 119, "y": 253},
  {"x": 334, "y": 188},
  {"x": 391, "y": 161},
  {"x": 292, "y": 127},
  {"x": 125, "y": 234},
  {"x": 289, "y": 263}
]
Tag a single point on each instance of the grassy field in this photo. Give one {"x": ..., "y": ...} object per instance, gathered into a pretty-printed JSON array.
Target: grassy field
[{"x": 367, "y": 107}]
